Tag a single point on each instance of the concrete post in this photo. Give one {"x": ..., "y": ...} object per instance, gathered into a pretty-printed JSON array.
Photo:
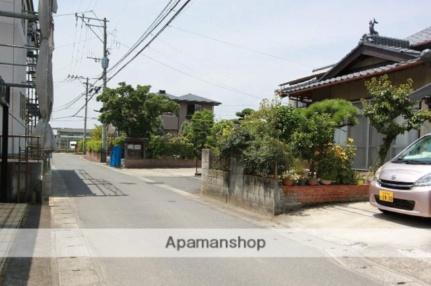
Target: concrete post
[{"x": 205, "y": 163}]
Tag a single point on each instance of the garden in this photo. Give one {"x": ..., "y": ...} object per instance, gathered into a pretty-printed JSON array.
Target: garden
[{"x": 294, "y": 145}]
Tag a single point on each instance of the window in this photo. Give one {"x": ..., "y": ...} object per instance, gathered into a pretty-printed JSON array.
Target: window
[
  {"x": 191, "y": 108},
  {"x": 22, "y": 105},
  {"x": 340, "y": 136}
]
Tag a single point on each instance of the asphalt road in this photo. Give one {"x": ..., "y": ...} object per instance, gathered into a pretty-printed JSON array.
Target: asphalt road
[{"x": 105, "y": 198}]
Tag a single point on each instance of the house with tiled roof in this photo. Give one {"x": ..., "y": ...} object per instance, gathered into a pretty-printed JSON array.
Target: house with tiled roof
[
  {"x": 189, "y": 104},
  {"x": 373, "y": 56}
]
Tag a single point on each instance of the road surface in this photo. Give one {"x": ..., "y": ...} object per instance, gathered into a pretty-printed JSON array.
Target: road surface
[{"x": 106, "y": 198}]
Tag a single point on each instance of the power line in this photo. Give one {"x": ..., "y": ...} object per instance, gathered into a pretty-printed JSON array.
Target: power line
[
  {"x": 70, "y": 103},
  {"x": 225, "y": 87},
  {"x": 152, "y": 39},
  {"x": 143, "y": 48},
  {"x": 69, "y": 14},
  {"x": 228, "y": 43},
  {"x": 159, "y": 19}
]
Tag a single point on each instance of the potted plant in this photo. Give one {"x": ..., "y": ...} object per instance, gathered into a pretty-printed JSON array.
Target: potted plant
[
  {"x": 328, "y": 175},
  {"x": 290, "y": 179},
  {"x": 313, "y": 181}
]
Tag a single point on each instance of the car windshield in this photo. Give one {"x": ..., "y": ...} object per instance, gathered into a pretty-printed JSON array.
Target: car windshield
[{"x": 418, "y": 153}]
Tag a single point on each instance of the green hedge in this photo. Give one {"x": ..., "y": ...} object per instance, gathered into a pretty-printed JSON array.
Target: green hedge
[
  {"x": 170, "y": 146},
  {"x": 94, "y": 145}
]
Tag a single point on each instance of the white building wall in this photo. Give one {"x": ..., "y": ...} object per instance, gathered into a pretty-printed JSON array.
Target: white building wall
[{"x": 14, "y": 32}]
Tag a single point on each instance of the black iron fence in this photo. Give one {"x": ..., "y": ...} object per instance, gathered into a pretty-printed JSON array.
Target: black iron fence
[{"x": 23, "y": 148}]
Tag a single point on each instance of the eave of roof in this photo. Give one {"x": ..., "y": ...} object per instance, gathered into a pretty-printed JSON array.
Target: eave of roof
[
  {"x": 302, "y": 79},
  {"x": 349, "y": 77},
  {"x": 192, "y": 98}
]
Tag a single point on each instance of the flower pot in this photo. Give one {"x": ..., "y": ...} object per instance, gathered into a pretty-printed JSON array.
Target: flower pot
[
  {"x": 313, "y": 182},
  {"x": 326, "y": 182}
]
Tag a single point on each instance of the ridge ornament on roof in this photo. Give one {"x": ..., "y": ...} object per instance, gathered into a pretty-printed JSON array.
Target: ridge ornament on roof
[{"x": 372, "y": 23}]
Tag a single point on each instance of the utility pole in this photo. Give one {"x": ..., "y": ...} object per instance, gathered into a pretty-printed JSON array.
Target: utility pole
[
  {"x": 105, "y": 64},
  {"x": 87, "y": 93},
  {"x": 86, "y": 114}
]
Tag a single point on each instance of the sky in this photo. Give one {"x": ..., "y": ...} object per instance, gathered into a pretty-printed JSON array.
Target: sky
[{"x": 233, "y": 51}]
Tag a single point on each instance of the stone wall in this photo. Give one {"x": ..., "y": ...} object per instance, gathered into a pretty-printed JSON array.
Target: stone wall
[
  {"x": 160, "y": 163},
  {"x": 233, "y": 187}
]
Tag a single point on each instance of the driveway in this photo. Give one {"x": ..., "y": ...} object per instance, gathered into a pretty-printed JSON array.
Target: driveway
[{"x": 405, "y": 239}]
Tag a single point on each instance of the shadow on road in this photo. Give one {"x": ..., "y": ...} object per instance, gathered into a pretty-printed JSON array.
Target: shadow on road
[
  {"x": 412, "y": 221},
  {"x": 81, "y": 184}
]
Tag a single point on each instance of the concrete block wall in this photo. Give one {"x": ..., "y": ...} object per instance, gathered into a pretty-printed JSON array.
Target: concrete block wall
[
  {"x": 25, "y": 184},
  {"x": 264, "y": 195},
  {"x": 160, "y": 163}
]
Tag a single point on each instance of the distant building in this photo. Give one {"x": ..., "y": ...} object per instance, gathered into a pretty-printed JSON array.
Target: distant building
[
  {"x": 374, "y": 56},
  {"x": 189, "y": 104},
  {"x": 67, "y": 138}
]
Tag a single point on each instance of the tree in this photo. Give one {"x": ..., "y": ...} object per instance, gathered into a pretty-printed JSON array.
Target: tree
[
  {"x": 285, "y": 120},
  {"x": 313, "y": 139},
  {"x": 198, "y": 130},
  {"x": 96, "y": 133},
  {"x": 134, "y": 111},
  {"x": 391, "y": 111},
  {"x": 315, "y": 135},
  {"x": 341, "y": 112},
  {"x": 243, "y": 113},
  {"x": 220, "y": 132}
]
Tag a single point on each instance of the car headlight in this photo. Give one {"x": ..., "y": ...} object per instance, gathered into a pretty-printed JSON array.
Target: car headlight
[
  {"x": 424, "y": 181},
  {"x": 377, "y": 174}
]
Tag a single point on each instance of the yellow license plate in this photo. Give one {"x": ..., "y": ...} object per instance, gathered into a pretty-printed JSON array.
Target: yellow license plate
[{"x": 386, "y": 196}]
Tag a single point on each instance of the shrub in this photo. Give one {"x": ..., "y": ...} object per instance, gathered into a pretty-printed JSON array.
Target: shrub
[
  {"x": 268, "y": 141},
  {"x": 312, "y": 140},
  {"x": 168, "y": 146},
  {"x": 336, "y": 164},
  {"x": 120, "y": 140},
  {"x": 234, "y": 145},
  {"x": 266, "y": 157},
  {"x": 94, "y": 145}
]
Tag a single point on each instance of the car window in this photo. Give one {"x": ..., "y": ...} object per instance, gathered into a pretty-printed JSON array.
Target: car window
[{"x": 419, "y": 152}]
